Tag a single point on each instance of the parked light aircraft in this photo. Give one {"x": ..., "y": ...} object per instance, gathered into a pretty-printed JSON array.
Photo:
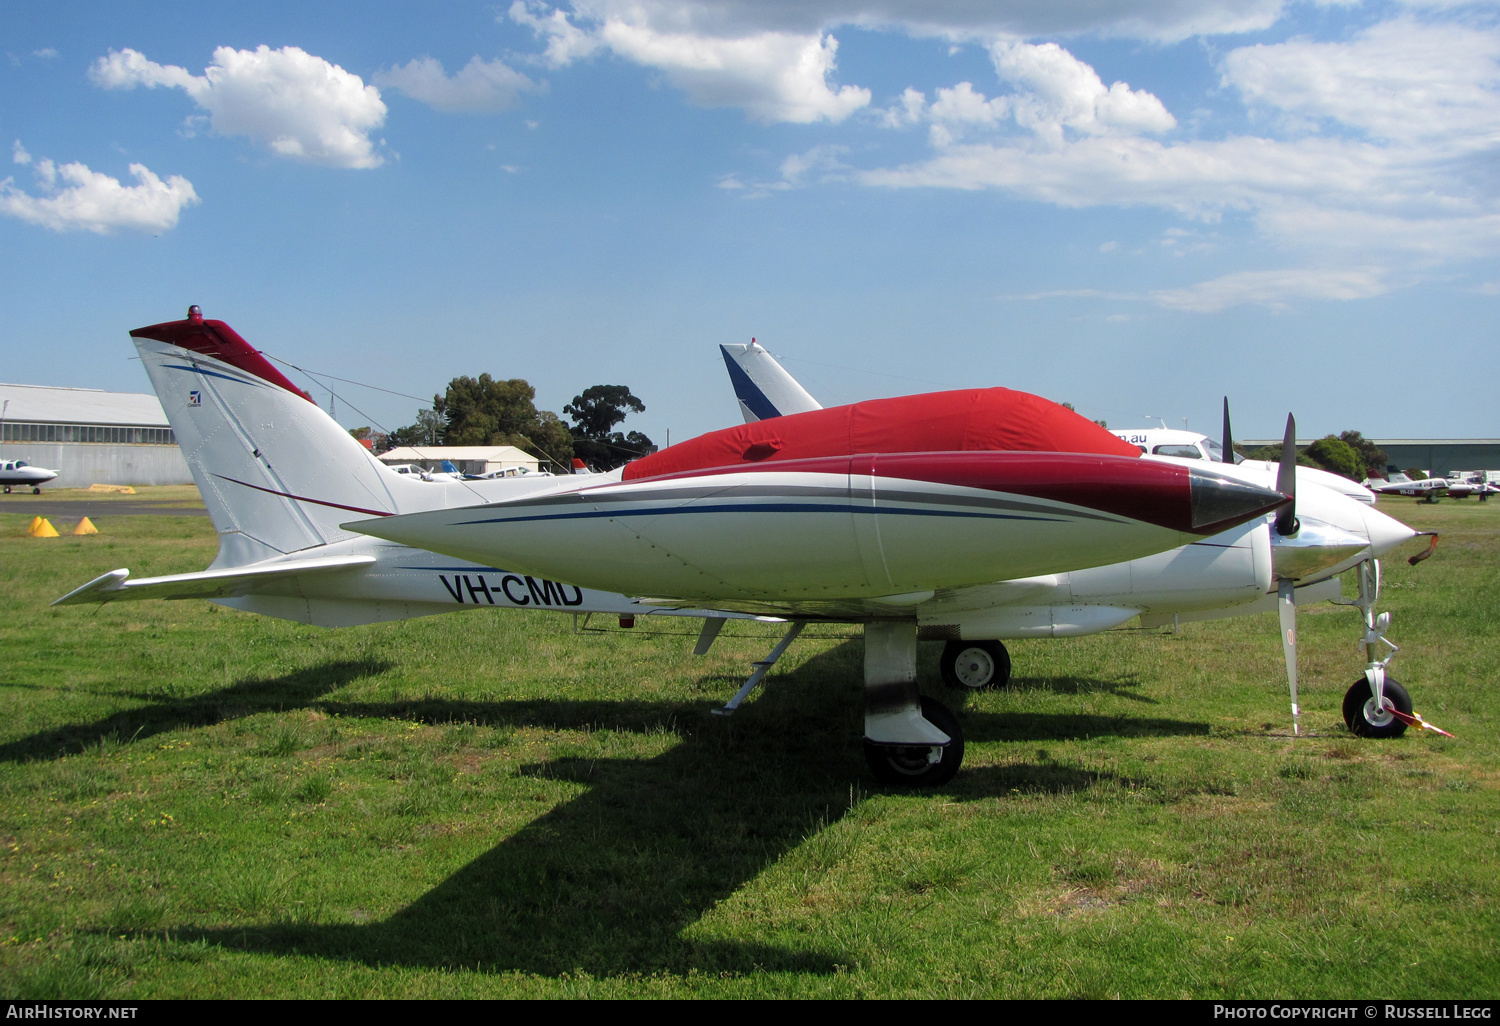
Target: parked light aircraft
[
  {"x": 1428, "y": 488},
  {"x": 281, "y": 480},
  {"x": 1242, "y": 571},
  {"x": 15, "y": 473},
  {"x": 1464, "y": 483}
]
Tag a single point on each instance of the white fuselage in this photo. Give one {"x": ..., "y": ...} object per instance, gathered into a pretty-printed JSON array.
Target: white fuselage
[{"x": 15, "y": 473}]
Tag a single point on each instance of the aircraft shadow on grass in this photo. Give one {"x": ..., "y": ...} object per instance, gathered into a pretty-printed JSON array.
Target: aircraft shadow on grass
[
  {"x": 613, "y": 880},
  {"x": 300, "y": 689}
]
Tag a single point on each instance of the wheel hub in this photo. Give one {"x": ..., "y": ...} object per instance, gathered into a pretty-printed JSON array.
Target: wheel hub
[
  {"x": 975, "y": 668},
  {"x": 1378, "y": 717},
  {"x": 912, "y": 760}
]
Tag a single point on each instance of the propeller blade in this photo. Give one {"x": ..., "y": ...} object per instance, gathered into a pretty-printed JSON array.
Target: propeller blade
[
  {"x": 1286, "y": 606},
  {"x": 1228, "y": 438},
  {"x": 1286, "y": 479}
]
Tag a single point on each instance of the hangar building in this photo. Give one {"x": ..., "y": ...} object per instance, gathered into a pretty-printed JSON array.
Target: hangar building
[
  {"x": 90, "y": 437},
  {"x": 469, "y": 459}
]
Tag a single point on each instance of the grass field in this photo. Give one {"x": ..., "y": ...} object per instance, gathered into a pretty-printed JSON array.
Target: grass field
[{"x": 196, "y": 802}]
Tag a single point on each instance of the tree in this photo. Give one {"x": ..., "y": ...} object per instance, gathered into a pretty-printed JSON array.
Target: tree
[
  {"x": 378, "y": 441},
  {"x": 1371, "y": 455},
  {"x": 428, "y": 430},
  {"x": 1337, "y": 457},
  {"x": 486, "y": 411},
  {"x": 595, "y": 412},
  {"x": 1272, "y": 454}
]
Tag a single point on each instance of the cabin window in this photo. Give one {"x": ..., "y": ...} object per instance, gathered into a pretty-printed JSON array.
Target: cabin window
[{"x": 1187, "y": 452}]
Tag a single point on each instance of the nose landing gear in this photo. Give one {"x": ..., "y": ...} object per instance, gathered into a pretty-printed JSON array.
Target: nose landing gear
[{"x": 1376, "y": 705}]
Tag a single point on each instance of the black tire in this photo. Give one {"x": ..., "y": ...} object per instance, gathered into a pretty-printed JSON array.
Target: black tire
[
  {"x": 1359, "y": 709},
  {"x": 975, "y": 665},
  {"x": 36, "y": 491},
  {"x": 911, "y": 766},
  {"x": 7, "y": 489}
]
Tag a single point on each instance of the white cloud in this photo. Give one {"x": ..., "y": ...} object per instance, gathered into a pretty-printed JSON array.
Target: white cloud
[
  {"x": 910, "y": 109},
  {"x": 821, "y": 163},
  {"x": 1388, "y": 162},
  {"x": 1055, "y": 94},
  {"x": 299, "y": 105},
  {"x": 18, "y": 153},
  {"x": 75, "y": 198},
  {"x": 46, "y": 53},
  {"x": 773, "y": 76},
  {"x": 1273, "y": 289},
  {"x": 1156, "y": 20},
  {"x": 1060, "y": 91},
  {"x": 1402, "y": 80},
  {"x": 479, "y": 87},
  {"x": 566, "y": 42}
]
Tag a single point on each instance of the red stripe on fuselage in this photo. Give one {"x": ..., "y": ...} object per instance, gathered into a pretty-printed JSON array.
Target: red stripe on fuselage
[
  {"x": 303, "y": 498},
  {"x": 1145, "y": 490}
]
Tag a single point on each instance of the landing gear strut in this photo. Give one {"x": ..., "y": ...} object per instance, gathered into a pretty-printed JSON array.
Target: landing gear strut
[
  {"x": 910, "y": 741},
  {"x": 1368, "y": 704}
]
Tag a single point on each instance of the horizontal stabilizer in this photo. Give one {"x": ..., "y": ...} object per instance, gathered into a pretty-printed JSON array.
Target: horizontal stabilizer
[{"x": 237, "y": 580}]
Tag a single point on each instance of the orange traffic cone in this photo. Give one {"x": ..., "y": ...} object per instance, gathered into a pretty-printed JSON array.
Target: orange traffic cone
[
  {"x": 85, "y": 526},
  {"x": 42, "y": 528}
]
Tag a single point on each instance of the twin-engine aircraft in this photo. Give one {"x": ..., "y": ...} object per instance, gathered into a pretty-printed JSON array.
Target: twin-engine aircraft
[
  {"x": 1271, "y": 564},
  {"x": 899, "y": 514},
  {"x": 858, "y": 514},
  {"x": 1428, "y": 488}
]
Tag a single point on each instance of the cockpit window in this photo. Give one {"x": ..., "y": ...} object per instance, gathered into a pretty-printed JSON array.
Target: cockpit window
[
  {"x": 1187, "y": 452},
  {"x": 1216, "y": 451}
]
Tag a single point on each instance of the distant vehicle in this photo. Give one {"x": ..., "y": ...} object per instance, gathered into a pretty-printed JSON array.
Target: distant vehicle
[{"x": 19, "y": 472}]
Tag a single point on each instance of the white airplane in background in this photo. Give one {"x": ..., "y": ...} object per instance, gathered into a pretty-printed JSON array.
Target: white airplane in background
[
  {"x": 1428, "y": 488},
  {"x": 1464, "y": 483},
  {"x": 297, "y": 501},
  {"x": 20, "y": 473},
  {"x": 1254, "y": 568}
]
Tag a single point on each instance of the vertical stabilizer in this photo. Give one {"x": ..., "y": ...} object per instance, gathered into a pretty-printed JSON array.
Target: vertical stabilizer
[
  {"x": 762, "y": 385},
  {"x": 277, "y": 474}
]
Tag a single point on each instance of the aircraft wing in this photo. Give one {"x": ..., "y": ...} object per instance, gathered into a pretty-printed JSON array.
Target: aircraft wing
[{"x": 116, "y": 584}]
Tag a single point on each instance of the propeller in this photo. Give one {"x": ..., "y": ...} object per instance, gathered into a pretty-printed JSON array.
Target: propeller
[
  {"x": 1227, "y": 456},
  {"x": 1286, "y": 480},
  {"x": 1286, "y": 587}
]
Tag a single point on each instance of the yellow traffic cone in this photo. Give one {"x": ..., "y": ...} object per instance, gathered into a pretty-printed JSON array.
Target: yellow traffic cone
[
  {"x": 42, "y": 528},
  {"x": 85, "y": 526}
]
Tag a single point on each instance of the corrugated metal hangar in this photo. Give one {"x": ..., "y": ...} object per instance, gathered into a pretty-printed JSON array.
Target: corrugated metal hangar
[{"x": 90, "y": 437}]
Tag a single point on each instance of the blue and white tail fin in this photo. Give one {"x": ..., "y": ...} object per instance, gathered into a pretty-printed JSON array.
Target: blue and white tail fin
[
  {"x": 762, "y": 385},
  {"x": 277, "y": 474}
]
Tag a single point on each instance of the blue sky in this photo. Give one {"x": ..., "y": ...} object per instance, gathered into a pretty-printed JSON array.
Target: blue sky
[{"x": 1137, "y": 207}]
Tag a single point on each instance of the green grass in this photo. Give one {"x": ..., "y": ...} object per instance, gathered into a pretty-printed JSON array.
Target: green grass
[{"x": 197, "y": 802}]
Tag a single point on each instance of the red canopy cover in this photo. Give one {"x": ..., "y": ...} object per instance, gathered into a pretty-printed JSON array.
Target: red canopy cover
[{"x": 982, "y": 419}]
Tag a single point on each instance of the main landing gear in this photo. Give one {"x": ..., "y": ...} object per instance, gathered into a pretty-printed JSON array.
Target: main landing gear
[
  {"x": 910, "y": 741},
  {"x": 975, "y": 665}
]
